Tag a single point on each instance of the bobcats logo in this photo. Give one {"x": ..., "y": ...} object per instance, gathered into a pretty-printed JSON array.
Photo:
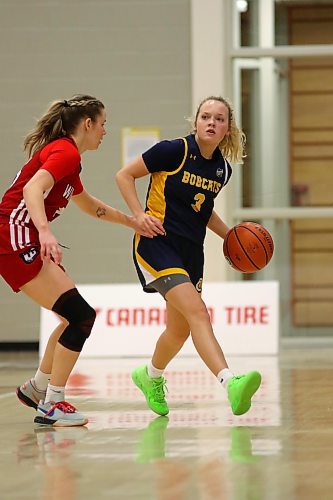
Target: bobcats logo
[
  {"x": 29, "y": 255},
  {"x": 219, "y": 172}
]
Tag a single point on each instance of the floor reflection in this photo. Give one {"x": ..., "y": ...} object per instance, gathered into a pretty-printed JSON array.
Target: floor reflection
[
  {"x": 51, "y": 450},
  {"x": 234, "y": 473},
  {"x": 281, "y": 449},
  {"x": 194, "y": 395}
]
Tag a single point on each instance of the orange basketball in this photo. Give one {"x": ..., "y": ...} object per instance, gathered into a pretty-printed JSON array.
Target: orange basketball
[{"x": 248, "y": 247}]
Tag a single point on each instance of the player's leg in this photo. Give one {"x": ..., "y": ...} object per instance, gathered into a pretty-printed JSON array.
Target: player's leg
[
  {"x": 47, "y": 359},
  {"x": 19, "y": 268},
  {"x": 188, "y": 302},
  {"x": 149, "y": 378},
  {"x": 45, "y": 289},
  {"x": 153, "y": 259},
  {"x": 53, "y": 289},
  {"x": 34, "y": 389},
  {"x": 172, "y": 339}
]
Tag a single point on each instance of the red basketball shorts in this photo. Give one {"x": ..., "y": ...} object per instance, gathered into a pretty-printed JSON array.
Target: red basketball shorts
[{"x": 18, "y": 267}]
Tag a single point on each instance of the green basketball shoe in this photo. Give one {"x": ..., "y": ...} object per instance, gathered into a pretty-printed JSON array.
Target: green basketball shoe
[
  {"x": 153, "y": 390},
  {"x": 241, "y": 390}
]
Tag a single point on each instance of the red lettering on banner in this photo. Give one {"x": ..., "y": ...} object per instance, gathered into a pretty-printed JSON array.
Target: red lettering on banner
[
  {"x": 97, "y": 310},
  {"x": 263, "y": 315},
  {"x": 123, "y": 316},
  {"x": 211, "y": 313},
  {"x": 246, "y": 315},
  {"x": 154, "y": 316},
  {"x": 249, "y": 315},
  {"x": 109, "y": 321},
  {"x": 138, "y": 316},
  {"x": 228, "y": 310}
]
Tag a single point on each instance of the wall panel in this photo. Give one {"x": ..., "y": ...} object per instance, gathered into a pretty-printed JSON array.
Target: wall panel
[{"x": 135, "y": 56}]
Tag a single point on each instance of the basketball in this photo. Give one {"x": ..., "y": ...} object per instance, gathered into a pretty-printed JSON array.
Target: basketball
[{"x": 248, "y": 247}]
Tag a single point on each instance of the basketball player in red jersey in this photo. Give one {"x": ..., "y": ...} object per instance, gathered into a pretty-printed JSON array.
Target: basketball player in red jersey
[
  {"x": 30, "y": 255},
  {"x": 186, "y": 176}
]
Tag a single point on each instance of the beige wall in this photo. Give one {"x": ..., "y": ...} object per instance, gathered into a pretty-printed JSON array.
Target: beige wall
[
  {"x": 211, "y": 75},
  {"x": 133, "y": 55}
]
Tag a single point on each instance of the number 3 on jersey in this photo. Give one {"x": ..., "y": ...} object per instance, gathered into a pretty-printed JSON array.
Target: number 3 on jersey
[{"x": 199, "y": 199}]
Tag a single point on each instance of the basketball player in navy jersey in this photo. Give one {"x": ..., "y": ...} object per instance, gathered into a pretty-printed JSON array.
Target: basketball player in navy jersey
[
  {"x": 186, "y": 175},
  {"x": 30, "y": 255}
]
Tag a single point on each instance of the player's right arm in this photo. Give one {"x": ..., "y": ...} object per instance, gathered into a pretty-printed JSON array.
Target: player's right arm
[
  {"x": 125, "y": 179},
  {"x": 33, "y": 193}
]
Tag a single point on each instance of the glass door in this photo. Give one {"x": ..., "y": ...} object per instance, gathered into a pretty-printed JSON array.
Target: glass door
[{"x": 279, "y": 184}]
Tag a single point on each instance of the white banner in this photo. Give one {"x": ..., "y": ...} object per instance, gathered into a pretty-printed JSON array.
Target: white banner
[{"x": 244, "y": 317}]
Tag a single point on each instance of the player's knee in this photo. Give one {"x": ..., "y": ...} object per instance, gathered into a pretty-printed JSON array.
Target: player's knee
[
  {"x": 62, "y": 321},
  {"x": 178, "y": 335},
  {"x": 201, "y": 313},
  {"x": 80, "y": 316},
  {"x": 197, "y": 312}
]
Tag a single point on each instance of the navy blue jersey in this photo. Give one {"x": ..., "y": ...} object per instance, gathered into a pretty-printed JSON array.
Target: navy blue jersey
[{"x": 184, "y": 185}]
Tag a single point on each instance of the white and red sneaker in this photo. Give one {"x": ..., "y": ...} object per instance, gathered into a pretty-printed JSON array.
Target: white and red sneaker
[
  {"x": 29, "y": 395},
  {"x": 60, "y": 414}
]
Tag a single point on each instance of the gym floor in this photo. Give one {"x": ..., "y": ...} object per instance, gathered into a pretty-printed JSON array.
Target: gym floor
[{"x": 281, "y": 449}]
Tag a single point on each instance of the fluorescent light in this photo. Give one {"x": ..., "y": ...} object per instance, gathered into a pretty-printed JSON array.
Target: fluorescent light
[{"x": 242, "y": 5}]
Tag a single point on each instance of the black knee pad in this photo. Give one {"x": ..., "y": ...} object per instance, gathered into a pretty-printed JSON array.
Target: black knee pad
[{"x": 80, "y": 316}]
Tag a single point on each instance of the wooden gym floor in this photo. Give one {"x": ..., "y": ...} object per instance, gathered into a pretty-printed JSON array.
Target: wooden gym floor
[{"x": 281, "y": 449}]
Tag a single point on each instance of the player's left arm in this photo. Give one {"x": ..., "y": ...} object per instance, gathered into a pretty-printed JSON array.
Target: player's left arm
[
  {"x": 217, "y": 225},
  {"x": 100, "y": 210}
]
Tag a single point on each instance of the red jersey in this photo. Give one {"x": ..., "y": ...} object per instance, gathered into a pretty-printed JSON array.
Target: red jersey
[{"x": 62, "y": 159}]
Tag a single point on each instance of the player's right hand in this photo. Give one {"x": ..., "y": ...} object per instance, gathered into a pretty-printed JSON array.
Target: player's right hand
[
  {"x": 149, "y": 225},
  {"x": 49, "y": 247}
]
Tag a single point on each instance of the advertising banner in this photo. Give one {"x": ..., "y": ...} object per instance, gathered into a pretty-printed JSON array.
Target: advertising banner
[{"x": 244, "y": 316}]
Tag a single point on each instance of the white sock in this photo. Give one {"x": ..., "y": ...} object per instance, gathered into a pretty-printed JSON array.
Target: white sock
[
  {"x": 55, "y": 394},
  {"x": 154, "y": 372},
  {"x": 41, "y": 380},
  {"x": 224, "y": 376}
]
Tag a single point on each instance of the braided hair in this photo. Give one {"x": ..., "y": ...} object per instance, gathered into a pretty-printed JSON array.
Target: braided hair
[{"x": 61, "y": 119}]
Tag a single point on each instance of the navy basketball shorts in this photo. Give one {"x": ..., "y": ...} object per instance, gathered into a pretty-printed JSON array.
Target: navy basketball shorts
[{"x": 167, "y": 255}]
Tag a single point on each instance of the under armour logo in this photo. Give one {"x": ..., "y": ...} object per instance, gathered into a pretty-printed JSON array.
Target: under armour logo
[{"x": 193, "y": 157}]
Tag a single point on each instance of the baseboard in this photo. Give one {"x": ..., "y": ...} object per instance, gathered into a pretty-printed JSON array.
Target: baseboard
[
  {"x": 19, "y": 346},
  {"x": 306, "y": 342}
]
